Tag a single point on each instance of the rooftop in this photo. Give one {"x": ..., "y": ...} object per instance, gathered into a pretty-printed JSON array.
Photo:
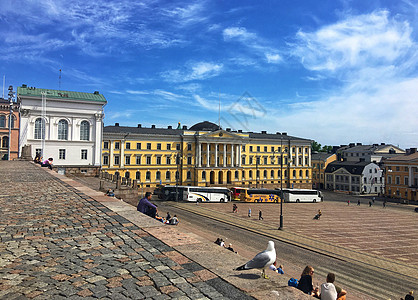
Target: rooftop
[{"x": 24, "y": 90}]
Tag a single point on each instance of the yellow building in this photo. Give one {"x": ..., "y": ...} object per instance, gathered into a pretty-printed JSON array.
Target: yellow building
[
  {"x": 402, "y": 176},
  {"x": 205, "y": 155},
  {"x": 320, "y": 162}
]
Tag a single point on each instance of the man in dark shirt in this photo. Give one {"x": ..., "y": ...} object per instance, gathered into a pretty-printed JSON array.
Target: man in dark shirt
[{"x": 147, "y": 207}]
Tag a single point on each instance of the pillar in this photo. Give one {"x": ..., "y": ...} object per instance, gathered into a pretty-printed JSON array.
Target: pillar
[
  {"x": 207, "y": 155},
  {"x": 225, "y": 147}
]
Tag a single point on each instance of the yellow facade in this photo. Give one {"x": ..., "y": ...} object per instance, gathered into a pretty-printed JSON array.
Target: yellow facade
[
  {"x": 402, "y": 177},
  {"x": 320, "y": 162},
  {"x": 153, "y": 156}
]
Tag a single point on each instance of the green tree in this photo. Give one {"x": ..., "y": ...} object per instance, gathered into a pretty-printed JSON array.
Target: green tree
[
  {"x": 326, "y": 149},
  {"x": 316, "y": 146}
]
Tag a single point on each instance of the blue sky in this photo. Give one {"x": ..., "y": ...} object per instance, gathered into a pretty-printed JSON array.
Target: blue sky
[{"x": 332, "y": 71}]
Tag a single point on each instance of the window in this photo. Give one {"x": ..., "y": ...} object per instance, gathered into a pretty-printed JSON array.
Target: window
[
  {"x": 300, "y": 174},
  {"x": 127, "y": 174},
  {"x": 251, "y": 148},
  {"x": 258, "y": 174},
  {"x": 61, "y": 154},
  {"x": 159, "y": 146},
  {"x": 2, "y": 121},
  {"x": 189, "y": 175},
  {"x": 168, "y": 160},
  {"x": 116, "y": 161},
  {"x": 236, "y": 174},
  {"x": 265, "y": 160},
  {"x": 189, "y": 147},
  {"x": 167, "y": 175},
  {"x": 39, "y": 133},
  {"x": 105, "y": 145},
  {"x": 158, "y": 160},
  {"x": 258, "y": 148},
  {"x": 168, "y": 146},
  {"x": 12, "y": 125},
  {"x": 243, "y": 160},
  {"x": 38, "y": 152},
  {"x": 158, "y": 175},
  {"x": 294, "y": 173},
  {"x": 85, "y": 131},
  {"x": 178, "y": 147},
  {"x": 189, "y": 160},
  {"x": 128, "y": 145},
  {"x": 397, "y": 168},
  {"x": 406, "y": 180},
  {"x": 138, "y": 146},
  {"x": 138, "y": 175},
  {"x": 251, "y": 161},
  {"x": 272, "y": 149},
  {"x": 148, "y": 176},
  {"x": 5, "y": 142},
  {"x": 370, "y": 171},
  {"x": 83, "y": 153},
  {"x": 138, "y": 160},
  {"x": 397, "y": 180},
  {"x": 265, "y": 148},
  {"x": 243, "y": 174},
  {"x": 204, "y": 175},
  {"x": 117, "y": 145},
  {"x": 148, "y": 146},
  {"x": 243, "y": 148},
  {"x": 307, "y": 173},
  {"x": 63, "y": 130},
  {"x": 148, "y": 160},
  {"x": 127, "y": 160},
  {"x": 105, "y": 160},
  {"x": 250, "y": 174}
]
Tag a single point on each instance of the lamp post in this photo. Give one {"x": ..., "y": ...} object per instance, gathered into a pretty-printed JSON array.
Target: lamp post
[
  {"x": 10, "y": 119},
  {"x": 281, "y": 183}
]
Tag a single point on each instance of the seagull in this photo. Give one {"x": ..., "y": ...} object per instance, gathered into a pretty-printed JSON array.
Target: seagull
[{"x": 262, "y": 260}]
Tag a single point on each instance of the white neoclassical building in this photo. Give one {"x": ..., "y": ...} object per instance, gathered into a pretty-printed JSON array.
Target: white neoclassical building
[{"x": 64, "y": 125}]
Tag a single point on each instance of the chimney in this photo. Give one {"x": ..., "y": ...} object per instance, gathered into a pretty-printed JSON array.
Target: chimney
[
  {"x": 383, "y": 144},
  {"x": 412, "y": 150},
  {"x": 116, "y": 124},
  {"x": 263, "y": 132},
  {"x": 184, "y": 127},
  {"x": 228, "y": 129},
  {"x": 170, "y": 127},
  {"x": 359, "y": 144},
  {"x": 277, "y": 132},
  {"x": 284, "y": 133},
  {"x": 239, "y": 130},
  {"x": 139, "y": 125},
  {"x": 352, "y": 145},
  {"x": 96, "y": 92},
  {"x": 152, "y": 126},
  {"x": 24, "y": 85}
]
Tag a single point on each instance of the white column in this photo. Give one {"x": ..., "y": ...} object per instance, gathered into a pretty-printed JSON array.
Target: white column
[
  {"x": 224, "y": 156},
  {"x": 97, "y": 155},
  {"x": 199, "y": 155},
  {"x": 207, "y": 155},
  {"x": 122, "y": 153},
  {"x": 297, "y": 157},
  {"x": 290, "y": 156},
  {"x": 216, "y": 155},
  {"x": 232, "y": 155},
  {"x": 239, "y": 155},
  {"x": 111, "y": 160},
  {"x": 303, "y": 156},
  {"x": 309, "y": 157}
]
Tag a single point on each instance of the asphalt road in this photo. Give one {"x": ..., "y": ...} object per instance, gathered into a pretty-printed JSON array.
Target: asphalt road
[{"x": 361, "y": 281}]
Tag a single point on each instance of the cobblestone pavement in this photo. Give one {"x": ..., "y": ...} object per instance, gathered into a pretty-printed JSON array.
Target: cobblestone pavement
[{"x": 56, "y": 243}]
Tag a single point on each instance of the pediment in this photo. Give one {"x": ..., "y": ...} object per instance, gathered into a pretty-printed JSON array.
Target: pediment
[{"x": 220, "y": 134}]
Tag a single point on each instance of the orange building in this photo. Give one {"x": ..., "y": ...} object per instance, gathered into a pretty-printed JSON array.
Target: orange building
[
  {"x": 4, "y": 130},
  {"x": 402, "y": 176}
]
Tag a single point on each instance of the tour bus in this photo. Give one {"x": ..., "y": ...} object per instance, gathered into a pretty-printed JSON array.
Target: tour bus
[
  {"x": 301, "y": 195},
  {"x": 259, "y": 195},
  {"x": 196, "y": 193},
  {"x": 235, "y": 193}
]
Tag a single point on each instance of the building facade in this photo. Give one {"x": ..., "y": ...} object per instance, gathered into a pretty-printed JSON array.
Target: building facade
[
  {"x": 369, "y": 153},
  {"x": 320, "y": 162},
  {"x": 206, "y": 155},
  {"x": 354, "y": 177},
  {"x": 5, "y": 139},
  {"x": 64, "y": 125},
  {"x": 402, "y": 176}
]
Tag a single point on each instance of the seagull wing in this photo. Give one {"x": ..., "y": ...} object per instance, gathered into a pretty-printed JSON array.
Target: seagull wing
[{"x": 261, "y": 260}]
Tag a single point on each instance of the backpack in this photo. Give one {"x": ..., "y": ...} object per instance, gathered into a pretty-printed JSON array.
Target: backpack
[{"x": 292, "y": 282}]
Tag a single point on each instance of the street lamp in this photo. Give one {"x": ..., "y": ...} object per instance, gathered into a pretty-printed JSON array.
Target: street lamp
[
  {"x": 10, "y": 119},
  {"x": 281, "y": 183}
]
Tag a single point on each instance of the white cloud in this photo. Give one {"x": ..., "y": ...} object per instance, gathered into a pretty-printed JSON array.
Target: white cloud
[
  {"x": 239, "y": 33},
  {"x": 273, "y": 58},
  {"x": 193, "y": 71}
]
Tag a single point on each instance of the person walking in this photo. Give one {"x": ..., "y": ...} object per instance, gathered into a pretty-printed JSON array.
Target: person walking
[
  {"x": 358, "y": 203},
  {"x": 249, "y": 213},
  {"x": 260, "y": 215},
  {"x": 384, "y": 203}
]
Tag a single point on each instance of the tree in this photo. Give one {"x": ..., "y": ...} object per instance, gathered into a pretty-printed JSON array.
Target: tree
[
  {"x": 316, "y": 146},
  {"x": 326, "y": 149}
]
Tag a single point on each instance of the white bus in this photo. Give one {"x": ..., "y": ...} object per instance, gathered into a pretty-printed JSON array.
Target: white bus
[
  {"x": 302, "y": 195},
  {"x": 196, "y": 193}
]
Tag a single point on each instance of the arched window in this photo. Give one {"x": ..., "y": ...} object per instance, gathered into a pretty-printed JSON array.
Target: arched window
[
  {"x": 204, "y": 175},
  {"x": 243, "y": 174},
  {"x": 148, "y": 176},
  {"x": 39, "y": 133},
  {"x": 265, "y": 173},
  {"x": 294, "y": 173},
  {"x": 278, "y": 174},
  {"x": 158, "y": 175},
  {"x": 189, "y": 175},
  {"x": 126, "y": 174},
  {"x": 167, "y": 175},
  {"x": 63, "y": 130},
  {"x": 307, "y": 173},
  {"x": 300, "y": 173},
  {"x": 236, "y": 174},
  {"x": 2, "y": 121},
  {"x": 84, "y": 131},
  {"x": 250, "y": 174},
  {"x": 272, "y": 174},
  {"x": 285, "y": 173},
  {"x": 258, "y": 174},
  {"x": 5, "y": 142},
  {"x": 138, "y": 175}
]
